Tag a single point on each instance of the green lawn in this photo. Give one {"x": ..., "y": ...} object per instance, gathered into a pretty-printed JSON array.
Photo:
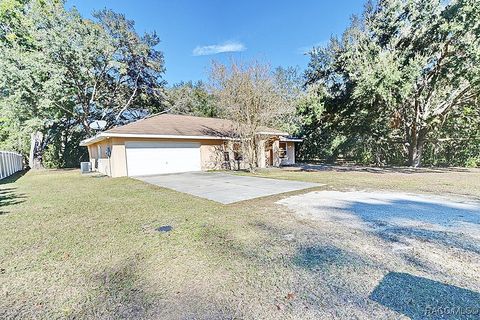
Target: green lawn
[{"x": 74, "y": 246}]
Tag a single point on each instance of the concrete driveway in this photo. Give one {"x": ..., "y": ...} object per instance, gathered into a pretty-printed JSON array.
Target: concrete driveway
[{"x": 223, "y": 187}]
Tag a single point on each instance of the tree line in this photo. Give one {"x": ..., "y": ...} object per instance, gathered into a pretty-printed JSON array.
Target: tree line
[
  {"x": 60, "y": 71},
  {"x": 399, "y": 87}
]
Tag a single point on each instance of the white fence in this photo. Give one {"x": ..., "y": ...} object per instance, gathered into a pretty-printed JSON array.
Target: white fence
[{"x": 10, "y": 162}]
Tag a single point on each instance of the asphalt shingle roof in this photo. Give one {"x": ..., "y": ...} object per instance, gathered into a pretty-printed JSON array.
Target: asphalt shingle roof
[{"x": 182, "y": 125}]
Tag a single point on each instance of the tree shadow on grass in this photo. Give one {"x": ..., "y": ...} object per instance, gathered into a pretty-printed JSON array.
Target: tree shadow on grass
[
  {"x": 119, "y": 296},
  {"x": 14, "y": 177},
  {"x": 324, "y": 257},
  {"x": 445, "y": 216},
  {"x": 422, "y": 298},
  {"x": 449, "y": 239},
  {"x": 322, "y": 268},
  {"x": 415, "y": 297},
  {"x": 312, "y": 255},
  {"x": 395, "y": 216},
  {"x": 8, "y": 197}
]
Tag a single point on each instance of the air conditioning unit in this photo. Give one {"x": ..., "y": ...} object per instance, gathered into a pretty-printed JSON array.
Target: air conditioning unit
[{"x": 85, "y": 167}]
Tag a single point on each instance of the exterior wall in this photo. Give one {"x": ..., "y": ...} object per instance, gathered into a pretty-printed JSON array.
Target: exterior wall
[
  {"x": 212, "y": 154},
  {"x": 103, "y": 166},
  {"x": 232, "y": 164},
  {"x": 92, "y": 154},
  {"x": 92, "y": 151},
  {"x": 118, "y": 158},
  {"x": 291, "y": 152},
  {"x": 290, "y": 157},
  {"x": 98, "y": 157}
]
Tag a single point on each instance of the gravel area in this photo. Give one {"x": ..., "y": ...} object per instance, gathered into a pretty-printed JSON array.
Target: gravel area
[{"x": 427, "y": 246}]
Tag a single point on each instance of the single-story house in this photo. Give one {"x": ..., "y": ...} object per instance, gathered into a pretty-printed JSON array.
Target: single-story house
[{"x": 169, "y": 143}]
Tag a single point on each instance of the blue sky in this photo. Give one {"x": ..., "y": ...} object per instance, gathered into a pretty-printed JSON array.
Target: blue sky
[{"x": 194, "y": 33}]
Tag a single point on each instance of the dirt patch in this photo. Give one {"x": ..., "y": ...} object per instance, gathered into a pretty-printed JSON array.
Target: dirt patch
[{"x": 430, "y": 246}]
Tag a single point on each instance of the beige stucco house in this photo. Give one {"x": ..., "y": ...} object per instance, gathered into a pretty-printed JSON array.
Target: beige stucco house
[{"x": 177, "y": 143}]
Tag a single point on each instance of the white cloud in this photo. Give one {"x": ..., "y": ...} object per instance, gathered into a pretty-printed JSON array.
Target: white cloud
[{"x": 229, "y": 46}]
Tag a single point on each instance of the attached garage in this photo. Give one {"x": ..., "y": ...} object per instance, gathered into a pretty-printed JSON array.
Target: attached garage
[
  {"x": 168, "y": 143},
  {"x": 147, "y": 158}
]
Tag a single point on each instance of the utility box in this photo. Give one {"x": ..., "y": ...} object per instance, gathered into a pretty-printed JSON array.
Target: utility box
[{"x": 85, "y": 167}]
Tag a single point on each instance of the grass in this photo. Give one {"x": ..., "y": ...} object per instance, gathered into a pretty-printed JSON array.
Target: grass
[
  {"x": 439, "y": 181},
  {"x": 85, "y": 246}
]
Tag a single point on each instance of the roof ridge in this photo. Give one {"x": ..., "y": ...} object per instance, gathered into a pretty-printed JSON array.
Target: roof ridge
[
  {"x": 192, "y": 116},
  {"x": 135, "y": 122},
  {"x": 181, "y": 124},
  {"x": 178, "y": 115},
  {"x": 168, "y": 124}
]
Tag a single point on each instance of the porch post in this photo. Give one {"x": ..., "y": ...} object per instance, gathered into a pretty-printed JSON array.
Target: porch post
[{"x": 275, "y": 150}]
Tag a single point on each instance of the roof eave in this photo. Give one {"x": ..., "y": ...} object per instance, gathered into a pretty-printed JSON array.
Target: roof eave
[
  {"x": 290, "y": 139},
  {"x": 273, "y": 133},
  {"x": 92, "y": 140},
  {"x": 105, "y": 135},
  {"x": 162, "y": 136}
]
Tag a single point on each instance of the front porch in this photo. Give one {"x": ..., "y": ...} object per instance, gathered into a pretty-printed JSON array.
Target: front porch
[
  {"x": 276, "y": 152},
  {"x": 271, "y": 151}
]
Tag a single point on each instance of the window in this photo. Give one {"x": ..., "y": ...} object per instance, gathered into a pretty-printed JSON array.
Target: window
[
  {"x": 282, "y": 151},
  {"x": 226, "y": 156}
]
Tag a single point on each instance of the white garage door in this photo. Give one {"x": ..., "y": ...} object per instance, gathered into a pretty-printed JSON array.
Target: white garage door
[{"x": 147, "y": 158}]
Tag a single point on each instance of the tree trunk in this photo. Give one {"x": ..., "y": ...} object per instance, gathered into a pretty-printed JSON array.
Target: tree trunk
[
  {"x": 415, "y": 149},
  {"x": 252, "y": 158},
  {"x": 36, "y": 150}
]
